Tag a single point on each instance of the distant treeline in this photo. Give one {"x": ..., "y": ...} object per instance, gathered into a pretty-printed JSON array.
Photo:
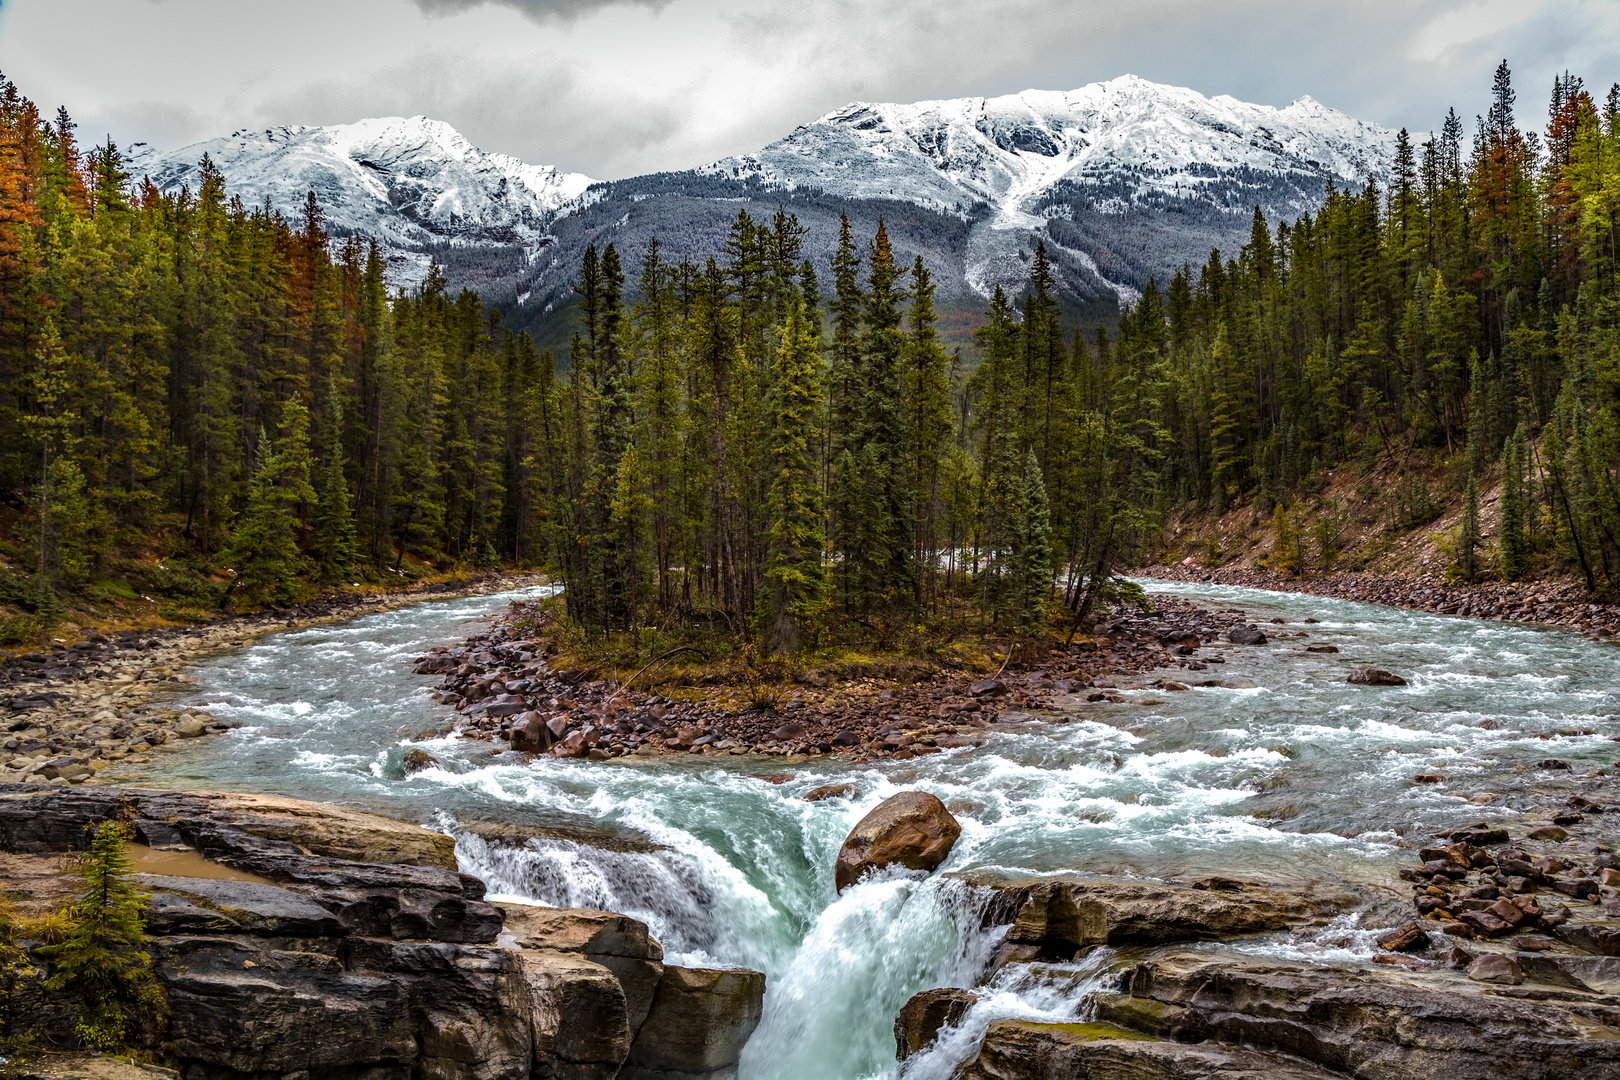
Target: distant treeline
[{"x": 752, "y": 440}]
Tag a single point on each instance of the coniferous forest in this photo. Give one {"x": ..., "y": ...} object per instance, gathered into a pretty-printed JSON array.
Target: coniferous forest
[{"x": 782, "y": 450}]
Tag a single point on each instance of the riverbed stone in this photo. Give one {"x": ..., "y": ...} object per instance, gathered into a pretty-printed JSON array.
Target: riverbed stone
[
  {"x": 531, "y": 735},
  {"x": 920, "y": 1019},
  {"x": 699, "y": 1021},
  {"x": 1371, "y": 676},
  {"x": 1496, "y": 968},
  {"x": 912, "y": 829}
]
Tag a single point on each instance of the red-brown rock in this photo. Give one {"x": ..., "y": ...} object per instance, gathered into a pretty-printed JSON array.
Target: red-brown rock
[{"x": 912, "y": 829}]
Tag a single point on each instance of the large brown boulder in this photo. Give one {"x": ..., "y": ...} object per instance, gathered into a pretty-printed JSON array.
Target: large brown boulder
[
  {"x": 912, "y": 829},
  {"x": 698, "y": 1024}
]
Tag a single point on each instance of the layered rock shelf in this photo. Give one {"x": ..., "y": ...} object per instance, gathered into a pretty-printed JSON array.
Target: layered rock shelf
[
  {"x": 332, "y": 944},
  {"x": 1168, "y": 1011}
]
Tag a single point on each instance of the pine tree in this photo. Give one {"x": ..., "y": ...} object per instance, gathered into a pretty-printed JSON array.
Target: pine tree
[
  {"x": 1512, "y": 538},
  {"x": 1468, "y": 540},
  {"x": 794, "y": 586},
  {"x": 265, "y": 547},
  {"x": 1030, "y": 550},
  {"x": 103, "y": 957},
  {"x": 335, "y": 536}
]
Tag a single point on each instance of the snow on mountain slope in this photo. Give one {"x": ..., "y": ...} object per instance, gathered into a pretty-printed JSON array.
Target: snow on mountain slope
[
  {"x": 949, "y": 154},
  {"x": 1123, "y": 181},
  {"x": 1141, "y": 141},
  {"x": 407, "y": 182}
]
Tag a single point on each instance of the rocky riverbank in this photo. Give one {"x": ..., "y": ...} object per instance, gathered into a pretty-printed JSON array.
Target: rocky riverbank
[
  {"x": 502, "y": 688},
  {"x": 1187, "y": 992},
  {"x": 1564, "y": 604},
  {"x": 70, "y": 711},
  {"x": 309, "y": 941}
]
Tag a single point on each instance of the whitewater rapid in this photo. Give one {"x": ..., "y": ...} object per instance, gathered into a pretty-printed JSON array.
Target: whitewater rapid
[{"x": 1287, "y": 774}]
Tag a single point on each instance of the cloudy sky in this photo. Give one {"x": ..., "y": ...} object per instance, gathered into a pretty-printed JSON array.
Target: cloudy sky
[{"x": 618, "y": 87}]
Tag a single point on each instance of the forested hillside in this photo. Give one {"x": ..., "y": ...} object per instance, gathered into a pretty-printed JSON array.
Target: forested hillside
[
  {"x": 207, "y": 403},
  {"x": 207, "y": 400}
]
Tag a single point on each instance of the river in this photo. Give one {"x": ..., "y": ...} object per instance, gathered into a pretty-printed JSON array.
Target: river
[{"x": 1288, "y": 774}]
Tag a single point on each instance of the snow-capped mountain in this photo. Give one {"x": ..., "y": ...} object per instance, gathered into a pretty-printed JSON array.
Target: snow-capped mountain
[
  {"x": 1108, "y": 148},
  {"x": 410, "y": 183},
  {"x": 1002, "y": 151},
  {"x": 1122, "y": 181}
]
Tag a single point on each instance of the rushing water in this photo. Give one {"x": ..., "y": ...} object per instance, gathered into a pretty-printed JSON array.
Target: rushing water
[{"x": 1298, "y": 776}]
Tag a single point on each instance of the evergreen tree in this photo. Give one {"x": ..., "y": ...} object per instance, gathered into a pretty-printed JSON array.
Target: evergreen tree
[
  {"x": 335, "y": 534},
  {"x": 1468, "y": 540},
  {"x": 794, "y": 585},
  {"x": 265, "y": 547},
  {"x": 103, "y": 957},
  {"x": 1030, "y": 555},
  {"x": 1512, "y": 534}
]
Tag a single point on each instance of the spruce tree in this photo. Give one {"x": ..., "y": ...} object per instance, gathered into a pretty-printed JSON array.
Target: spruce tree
[
  {"x": 335, "y": 535},
  {"x": 1029, "y": 557},
  {"x": 1468, "y": 540},
  {"x": 794, "y": 586},
  {"x": 103, "y": 958},
  {"x": 1512, "y": 538}
]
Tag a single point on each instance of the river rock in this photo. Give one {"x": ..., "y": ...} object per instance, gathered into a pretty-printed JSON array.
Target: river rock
[
  {"x": 912, "y": 829},
  {"x": 1371, "y": 676},
  {"x": 921, "y": 1018},
  {"x": 416, "y": 759},
  {"x": 1411, "y": 938},
  {"x": 1246, "y": 635},
  {"x": 531, "y": 735},
  {"x": 1024, "y": 1050},
  {"x": 1379, "y": 1024},
  {"x": 830, "y": 791},
  {"x": 1496, "y": 968},
  {"x": 699, "y": 1021}
]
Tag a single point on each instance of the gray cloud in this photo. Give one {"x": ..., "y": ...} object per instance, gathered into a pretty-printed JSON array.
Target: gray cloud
[
  {"x": 616, "y": 87},
  {"x": 538, "y": 10}
]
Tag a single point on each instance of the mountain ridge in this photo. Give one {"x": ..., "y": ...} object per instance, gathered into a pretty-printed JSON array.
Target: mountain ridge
[{"x": 1123, "y": 180}]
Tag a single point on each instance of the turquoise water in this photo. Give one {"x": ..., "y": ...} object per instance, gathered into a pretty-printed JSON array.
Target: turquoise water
[{"x": 1294, "y": 776}]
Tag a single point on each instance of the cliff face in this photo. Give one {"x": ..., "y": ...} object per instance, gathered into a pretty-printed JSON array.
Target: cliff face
[{"x": 310, "y": 964}]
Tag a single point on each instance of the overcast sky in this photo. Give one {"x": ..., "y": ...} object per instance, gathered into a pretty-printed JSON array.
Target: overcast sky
[{"x": 618, "y": 88}]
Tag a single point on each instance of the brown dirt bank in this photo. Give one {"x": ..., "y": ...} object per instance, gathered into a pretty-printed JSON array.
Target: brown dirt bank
[{"x": 1560, "y": 603}]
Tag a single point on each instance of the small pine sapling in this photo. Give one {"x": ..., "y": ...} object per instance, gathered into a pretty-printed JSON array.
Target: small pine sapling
[{"x": 103, "y": 957}]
